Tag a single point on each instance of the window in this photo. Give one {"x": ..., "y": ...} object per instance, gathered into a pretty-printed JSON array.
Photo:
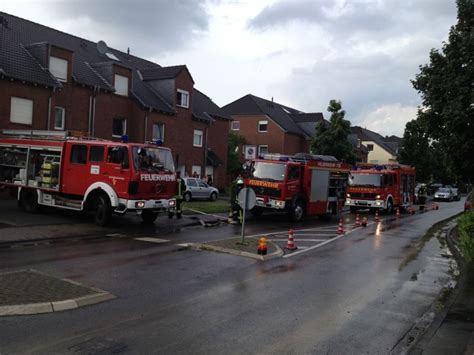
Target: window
[
  {"x": 370, "y": 147},
  {"x": 58, "y": 67},
  {"x": 192, "y": 182},
  {"x": 235, "y": 125},
  {"x": 119, "y": 127},
  {"x": 118, "y": 155},
  {"x": 79, "y": 154},
  {"x": 59, "y": 114},
  {"x": 262, "y": 149},
  {"x": 21, "y": 111},
  {"x": 96, "y": 154},
  {"x": 158, "y": 132},
  {"x": 196, "y": 171},
  {"x": 293, "y": 172},
  {"x": 121, "y": 85},
  {"x": 182, "y": 98},
  {"x": 201, "y": 183},
  {"x": 197, "y": 142},
  {"x": 262, "y": 126}
]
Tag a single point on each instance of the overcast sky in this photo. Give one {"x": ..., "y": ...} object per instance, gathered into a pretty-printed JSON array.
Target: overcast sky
[{"x": 302, "y": 53}]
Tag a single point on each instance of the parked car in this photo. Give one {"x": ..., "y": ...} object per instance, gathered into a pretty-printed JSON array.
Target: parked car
[
  {"x": 432, "y": 188},
  {"x": 198, "y": 189},
  {"x": 444, "y": 193},
  {"x": 455, "y": 191},
  {"x": 468, "y": 202}
]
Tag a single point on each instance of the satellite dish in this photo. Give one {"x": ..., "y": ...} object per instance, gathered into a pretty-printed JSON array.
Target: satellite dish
[{"x": 102, "y": 47}]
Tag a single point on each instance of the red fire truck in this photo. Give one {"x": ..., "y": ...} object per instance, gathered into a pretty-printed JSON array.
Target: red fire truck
[
  {"x": 381, "y": 187},
  {"x": 302, "y": 184},
  {"x": 58, "y": 170}
]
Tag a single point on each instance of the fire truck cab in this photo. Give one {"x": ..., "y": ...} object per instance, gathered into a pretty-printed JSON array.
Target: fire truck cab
[
  {"x": 58, "y": 170},
  {"x": 381, "y": 187},
  {"x": 302, "y": 184}
]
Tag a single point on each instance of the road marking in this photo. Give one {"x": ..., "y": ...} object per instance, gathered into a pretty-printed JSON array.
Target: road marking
[
  {"x": 185, "y": 245},
  {"x": 314, "y": 246},
  {"x": 208, "y": 214},
  {"x": 152, "y": 240},
  {"x": 299, "y": 240},
  {"x": 115, "y": 235}
]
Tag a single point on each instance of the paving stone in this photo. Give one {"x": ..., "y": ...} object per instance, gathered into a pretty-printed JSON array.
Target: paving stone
[{"x": 28, "y": 287}]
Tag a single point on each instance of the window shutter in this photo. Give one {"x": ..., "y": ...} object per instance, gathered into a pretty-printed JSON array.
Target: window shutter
[
  {"x": 58, "y": 67},
  {"x": 21, "y": 111},
  {"x": 121, "y": 85}
]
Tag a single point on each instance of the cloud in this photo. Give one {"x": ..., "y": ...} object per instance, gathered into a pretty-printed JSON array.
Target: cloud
[
  {"x": 148, "y": 27},
  {"x": 388, "y": 119}
]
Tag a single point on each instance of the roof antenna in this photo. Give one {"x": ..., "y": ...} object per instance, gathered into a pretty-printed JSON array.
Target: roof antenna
[
  {"x": 128, "y": 50},
  {"x": 272, "y": 98}
]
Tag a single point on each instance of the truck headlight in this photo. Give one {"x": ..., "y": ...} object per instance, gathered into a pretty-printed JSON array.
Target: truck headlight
[
  {"x": 378, "y": 197},
  {"x": 172, "y": 203},
  {"x": 348, "y": 195},
  {"x": 279, "y": 203},
  {"x": 140, "y": 204}
]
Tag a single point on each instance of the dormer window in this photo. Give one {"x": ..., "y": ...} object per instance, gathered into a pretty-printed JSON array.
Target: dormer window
[
  {"x": 121, "y": 85},
  {"x": 58, "y": 67},
  {"x": 182, "y": 98}
]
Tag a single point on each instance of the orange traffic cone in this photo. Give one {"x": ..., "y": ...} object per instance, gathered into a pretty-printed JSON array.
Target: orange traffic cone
[
  {"x": 376, "y": 215},
  {"x": 340, "y": 229},
  {"x": 357, "y": 224},
  {"x": 291, "y": 241},
  {"x": 364, "y": 222},
  {"x": 398, "y": 212},
  {"x": 262, "y": 246}
]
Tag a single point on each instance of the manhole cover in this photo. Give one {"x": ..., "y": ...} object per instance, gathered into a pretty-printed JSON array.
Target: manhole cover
[{"x": 26, "y": 287}]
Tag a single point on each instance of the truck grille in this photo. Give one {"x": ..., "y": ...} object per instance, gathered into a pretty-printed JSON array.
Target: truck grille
[
  {"x": 267, "y": 191},
  {"x": 367, "y": 195}
]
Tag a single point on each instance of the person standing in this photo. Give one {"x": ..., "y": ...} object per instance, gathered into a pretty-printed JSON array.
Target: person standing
[
  {"x": 180, "y": 188},
  {"x": 236, "y": 213}
]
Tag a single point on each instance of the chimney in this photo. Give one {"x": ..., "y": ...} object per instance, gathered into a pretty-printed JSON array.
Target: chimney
[{"x": 128, "y": 50}]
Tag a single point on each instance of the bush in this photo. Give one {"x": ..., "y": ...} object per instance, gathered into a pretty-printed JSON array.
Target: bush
[{"x": 466, "y": 235}]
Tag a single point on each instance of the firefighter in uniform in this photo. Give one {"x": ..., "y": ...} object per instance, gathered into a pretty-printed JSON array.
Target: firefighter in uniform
[
  {"x": 180, "y": 188},
  {"x": 236, "y": 213}
]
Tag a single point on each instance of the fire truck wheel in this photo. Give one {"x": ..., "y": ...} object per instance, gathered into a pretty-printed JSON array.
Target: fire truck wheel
[
  {"x": 187, "y": 196},
  {"x": 389, "y": 208},
  {"x": 297, "y": 211},
  {"x": 149, "y": 217},
  {"x": 102, "y": 210},
  {"x": 29, "y": 201}
]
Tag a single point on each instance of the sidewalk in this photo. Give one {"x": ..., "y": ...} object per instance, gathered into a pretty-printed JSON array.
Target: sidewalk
[{"x": 453, "y": 331}]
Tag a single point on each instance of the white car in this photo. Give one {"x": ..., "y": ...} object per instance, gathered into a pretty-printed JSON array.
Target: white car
[
  {"x": 444, "y": 193},
  {"x": 198, "y": 189}
]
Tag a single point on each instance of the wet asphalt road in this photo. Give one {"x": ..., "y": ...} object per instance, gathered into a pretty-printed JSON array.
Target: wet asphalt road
[{"x": 359, "y": 294}]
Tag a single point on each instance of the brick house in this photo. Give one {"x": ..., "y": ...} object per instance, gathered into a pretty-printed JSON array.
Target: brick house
[
  {"x": 380, "y": 150},
  {"x": 51, "y": 80},
  {"x": 272, "y": 127}
]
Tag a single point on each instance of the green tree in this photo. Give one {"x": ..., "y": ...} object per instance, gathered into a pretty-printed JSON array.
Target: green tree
[
  {"x": 446, "y": 89},
  {"x": 416, "y": 150},
  {"x": 233, "y": 159},
  {"x": 332, "y": 139}
]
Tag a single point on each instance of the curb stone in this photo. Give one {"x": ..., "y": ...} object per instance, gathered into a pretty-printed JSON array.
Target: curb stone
[{"x": 273, "y": 255}]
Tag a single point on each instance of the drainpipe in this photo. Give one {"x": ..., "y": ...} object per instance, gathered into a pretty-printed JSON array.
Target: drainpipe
[
  {"x": 48, "y": 121},
  {"x": 94, "y": 99},
  {"x": 89, "y": 121},
  {"x": 146, "y": 125}
]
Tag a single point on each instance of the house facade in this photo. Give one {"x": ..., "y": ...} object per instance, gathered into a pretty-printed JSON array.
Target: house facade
[
  {"x": 270, "y": 127},
  {"x": 380, "y": 150},
  {"x": 50, "y": 80}
]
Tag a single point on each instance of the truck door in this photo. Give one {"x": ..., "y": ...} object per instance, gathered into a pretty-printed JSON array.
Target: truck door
[
  {"x": 74, "y": 177},
  {"x": 293, "y": 179},
  {"x": 116, "y": 169}
]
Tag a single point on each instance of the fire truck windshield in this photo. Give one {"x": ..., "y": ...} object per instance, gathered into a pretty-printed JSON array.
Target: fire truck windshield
[
  {"x": 269, "y": 171},
  {"x": 152, "y": 159},
  {"x": 366, "y": 180}
]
